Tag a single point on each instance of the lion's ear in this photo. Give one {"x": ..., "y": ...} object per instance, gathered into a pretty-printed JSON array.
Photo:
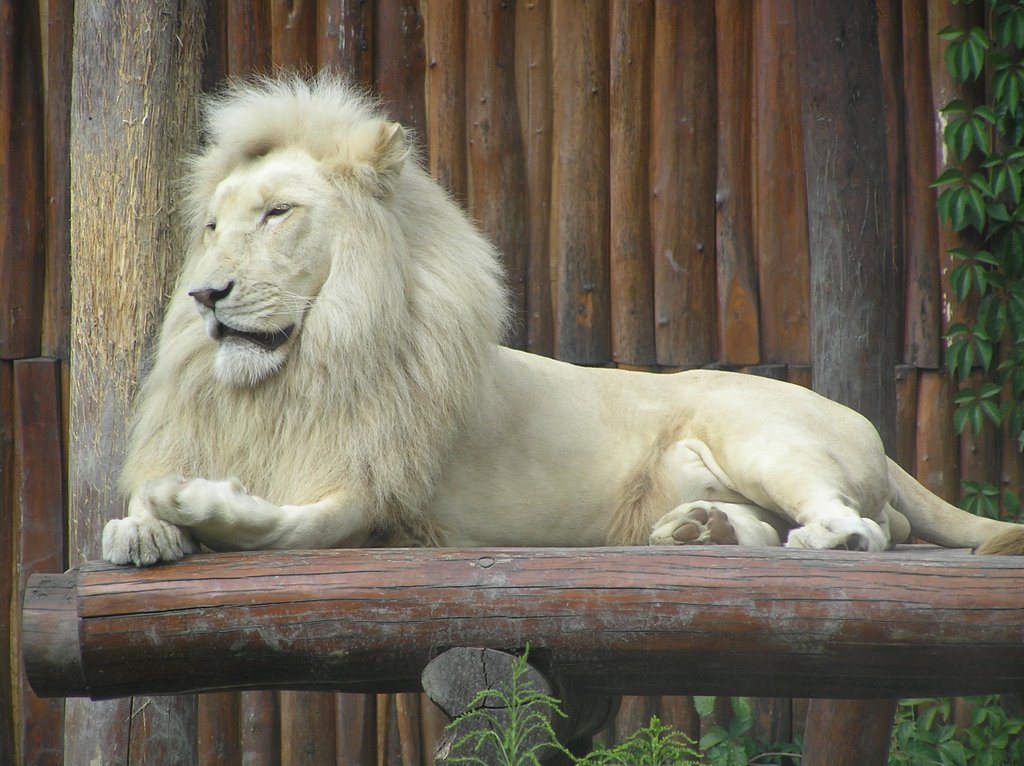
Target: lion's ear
[
  {"x": 390, "y": 154},
  {"x": 373, "y": 155}
]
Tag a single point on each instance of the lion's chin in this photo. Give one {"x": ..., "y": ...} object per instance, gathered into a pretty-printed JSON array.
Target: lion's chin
[{"x": 244, "y": 364}]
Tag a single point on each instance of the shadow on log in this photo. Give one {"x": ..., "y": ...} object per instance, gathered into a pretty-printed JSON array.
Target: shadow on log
[{"x": 609, "y": 620}]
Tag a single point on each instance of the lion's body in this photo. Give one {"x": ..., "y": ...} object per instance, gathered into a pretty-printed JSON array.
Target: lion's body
[{"x": 342, "y": 383}]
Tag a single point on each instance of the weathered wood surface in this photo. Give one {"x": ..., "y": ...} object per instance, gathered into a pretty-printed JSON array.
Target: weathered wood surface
[
  {"x": 22, "y": 182},
  {"x": 683, "y": 184},
  {"x": 638, "y": 620},
  {"x": 39, "y": 542},
  {"x": 739, "y": 330},
  {"x": 922, "y": 314},
  {"x": 780, "y": 196},
  {"x": 631, "y": 268},
  {"x": 579, "y": 226},
  {"x": 853, "y": 333},
  {"x": 848, "y": 732}
]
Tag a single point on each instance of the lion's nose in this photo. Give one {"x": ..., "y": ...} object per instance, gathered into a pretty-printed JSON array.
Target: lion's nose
[{"x": 208, "y": 296}]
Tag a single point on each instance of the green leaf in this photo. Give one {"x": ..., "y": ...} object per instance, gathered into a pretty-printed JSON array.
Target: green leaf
[{"x": 949, "y": 176}]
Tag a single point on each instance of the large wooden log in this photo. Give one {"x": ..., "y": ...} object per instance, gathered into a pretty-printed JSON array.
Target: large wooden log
[{"x": 610, "y": 620}]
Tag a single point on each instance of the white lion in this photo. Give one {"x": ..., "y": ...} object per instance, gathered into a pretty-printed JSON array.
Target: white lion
[{"x": 341, "y": 384}]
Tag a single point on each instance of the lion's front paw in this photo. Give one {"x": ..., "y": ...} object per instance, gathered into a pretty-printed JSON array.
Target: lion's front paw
[
  {"x": 693, "y": 524},
  {"x": 143, "y": 540}
]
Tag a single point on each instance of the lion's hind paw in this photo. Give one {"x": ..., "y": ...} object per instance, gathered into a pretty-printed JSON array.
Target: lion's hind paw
[
  {"x": 839, "y": 534},
  {"x": 694, "y": 524},
  {"x": 145, "y": 541}
]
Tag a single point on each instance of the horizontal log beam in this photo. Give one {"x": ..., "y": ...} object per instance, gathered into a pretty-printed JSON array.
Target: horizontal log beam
[{"x": 608, "y": 620}]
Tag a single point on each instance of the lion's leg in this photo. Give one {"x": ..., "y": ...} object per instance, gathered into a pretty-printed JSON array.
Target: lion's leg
[
  {"x": 718, "y": 523},
  {"x": 811, "y": 500},
  {"x": 222, "y": 515}
]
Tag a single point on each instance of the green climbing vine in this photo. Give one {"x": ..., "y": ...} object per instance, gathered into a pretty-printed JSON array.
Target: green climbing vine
[{"x": 982, "y": 196}]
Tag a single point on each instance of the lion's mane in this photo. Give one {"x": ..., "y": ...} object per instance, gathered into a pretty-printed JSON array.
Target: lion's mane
[{"x": 388, "y": 362}]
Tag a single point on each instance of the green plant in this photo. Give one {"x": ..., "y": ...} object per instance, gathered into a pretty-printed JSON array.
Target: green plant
[
  {"x": 735, "y": 745},
  {"x": 982, "y": 197},
  {"x": 511, "y": 724},
  {"x": 924, "y": 733},
  {"x": 654, "y": 745}
]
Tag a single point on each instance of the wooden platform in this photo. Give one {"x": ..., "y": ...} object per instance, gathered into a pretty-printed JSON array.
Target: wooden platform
[{"x": 910, "y": 622}]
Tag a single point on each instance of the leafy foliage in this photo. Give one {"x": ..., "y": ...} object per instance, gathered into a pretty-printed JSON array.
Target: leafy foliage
[
  {"x": 735, "y": 745},
  {"x": 981, "y": 195},
  {"x": 925, "y": 734},
  {"x": 654, "y": 745}
]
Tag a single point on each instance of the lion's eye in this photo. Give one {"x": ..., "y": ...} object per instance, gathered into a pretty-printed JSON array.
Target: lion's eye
[
  {"x": 211, "y": 226},
  {"x": 276, "y": 211}
]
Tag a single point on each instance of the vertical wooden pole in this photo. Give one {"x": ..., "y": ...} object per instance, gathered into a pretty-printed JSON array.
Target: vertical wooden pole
[
  {"x": 399, "y": 60},
  {"x": 944, "y": 90},
  {"x": 248, "y": 37},
  {"x": 57, "y": 305},
  {"x": 7, "y": 588},
  {"x": 39, "y": 538},
  {"x": 217, "y": 728},
  {"x": 445, "y": 23},
  {"x": 137, "y": 69},
  {"x": 780, "y": 200},
  {"x": 906, "y": 416},
  {"x": 936, "y": 465},
  {"x": 307, "y": 728},
  {"x": 497, "y": 181},
  {"x": 631, "y": 268},
  {"x": 293, "y": 42},
  {"x": 357, "y": 737},
  {"x": 683, "y": 175},
  {"x": 579, "y": 181},
  {"x": 739, "y": 327},
  {"x": 890, "y": 53},
  {"x": 848, "y": 732},
  {"x": 533, "y": 90},
  {"x": 345, "y": 38},
  {"x": 260, "y": 728},
  {"x": 854, "y": 319},
  {"x": 922, "y": 315},
  {"x": 854, "y": 331},
  {"x": 22, "y": 219}
]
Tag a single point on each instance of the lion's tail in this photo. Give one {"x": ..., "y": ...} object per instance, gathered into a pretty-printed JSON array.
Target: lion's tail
[{"x": 933, "y": 519}]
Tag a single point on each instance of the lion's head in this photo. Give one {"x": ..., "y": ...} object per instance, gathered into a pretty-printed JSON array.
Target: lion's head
[
  {"x": 335, "y": 311},
  {"x": 310, "y": 194}
]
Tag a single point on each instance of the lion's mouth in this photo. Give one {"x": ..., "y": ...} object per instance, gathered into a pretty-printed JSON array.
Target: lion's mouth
[{"x": 265, "y": 340}]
